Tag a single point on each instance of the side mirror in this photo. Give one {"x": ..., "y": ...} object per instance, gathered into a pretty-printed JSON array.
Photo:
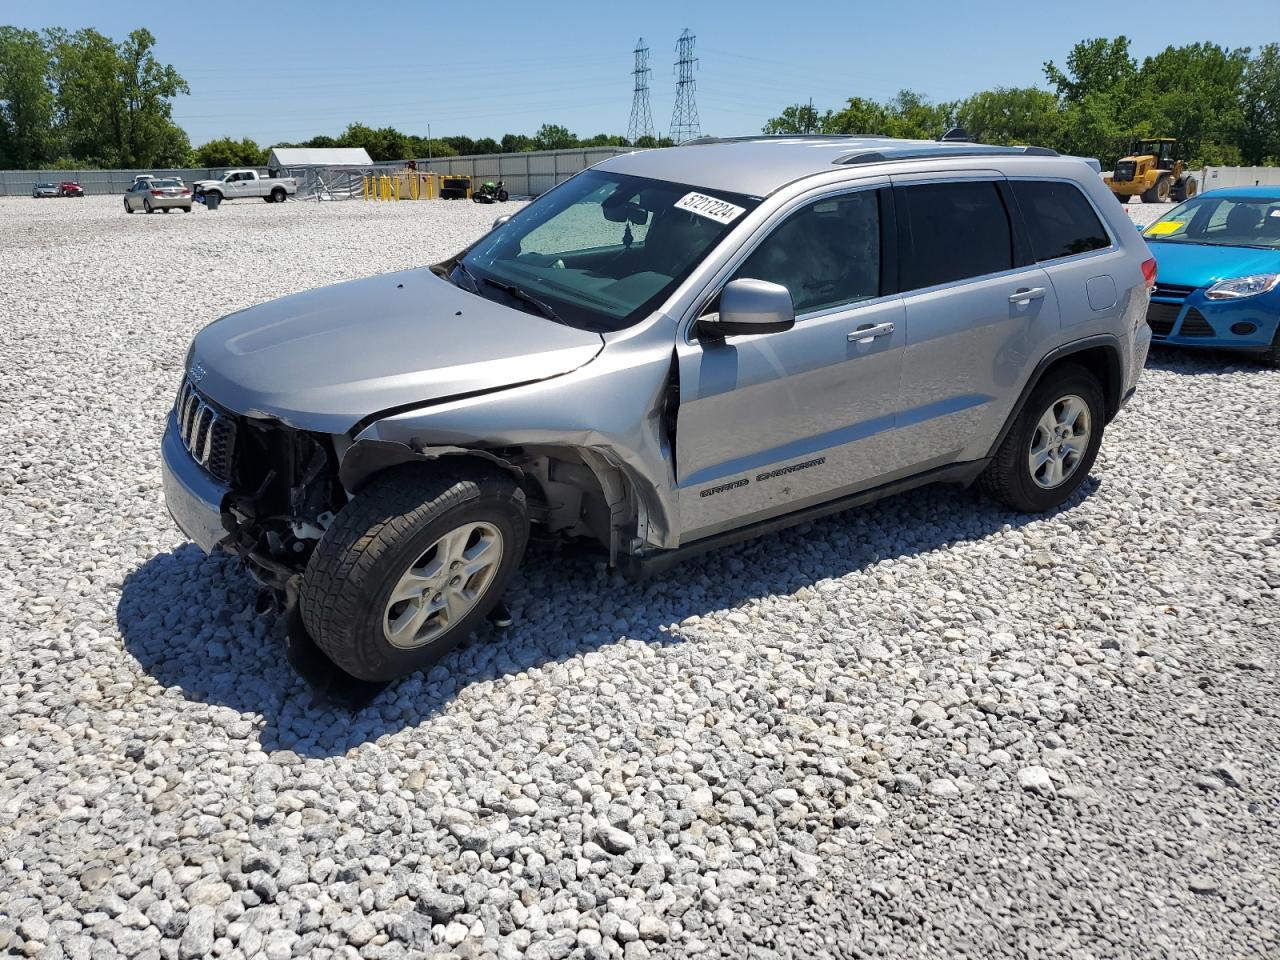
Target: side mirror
[
  {"x": 750, "y": 306},
  {"x": 500, "y": 221}
]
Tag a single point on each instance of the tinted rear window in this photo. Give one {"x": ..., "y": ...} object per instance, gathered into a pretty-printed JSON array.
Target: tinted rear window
[
  {"x": 1059, "y": 219},
  {"x": 957, "y": 231}
]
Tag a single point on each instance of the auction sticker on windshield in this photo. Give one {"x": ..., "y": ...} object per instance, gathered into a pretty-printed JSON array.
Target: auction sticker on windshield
[{"x": 709, "y": 207}]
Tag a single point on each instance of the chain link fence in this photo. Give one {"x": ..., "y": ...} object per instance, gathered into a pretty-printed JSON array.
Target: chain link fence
[{"x": 524, "y": 174}]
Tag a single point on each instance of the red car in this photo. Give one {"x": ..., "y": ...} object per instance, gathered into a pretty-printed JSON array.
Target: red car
[{"x": 69, "y": 188}]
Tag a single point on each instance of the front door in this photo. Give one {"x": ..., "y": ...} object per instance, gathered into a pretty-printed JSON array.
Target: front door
[{"x": 770, "y": 423}]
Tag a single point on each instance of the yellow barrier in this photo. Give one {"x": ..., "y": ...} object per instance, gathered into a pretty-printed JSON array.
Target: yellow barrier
[{"x": 409, "y": 185}]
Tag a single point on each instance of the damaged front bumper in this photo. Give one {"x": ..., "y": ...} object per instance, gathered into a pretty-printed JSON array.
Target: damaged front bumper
[{"x": 194, "y": 498}]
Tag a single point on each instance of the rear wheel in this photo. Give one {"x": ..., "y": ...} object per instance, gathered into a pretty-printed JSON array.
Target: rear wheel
[
  {"x": 186, "y": 209},
  {"x": 146, "y": 205},
  {"x": 1052, "y": 444},
  {"x": 278, "y": 195},
  {"x": 411, "y": 566},
  {"x": 165, "y": 209},
  {"x": 1124, "y": 197}
]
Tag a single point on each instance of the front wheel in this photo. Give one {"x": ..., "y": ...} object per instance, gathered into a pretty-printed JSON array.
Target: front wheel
[
  {"x": 127, "y": 208},
  {"x": 1052, "y": 443},
  {"x": 411, "y": 566}
]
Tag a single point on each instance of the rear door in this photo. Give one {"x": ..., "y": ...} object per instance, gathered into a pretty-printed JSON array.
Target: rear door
[
  {"x": 980, "y": 313},
  {"x": 1069, "y": 240},
  {"x": 770, "y": 423}
]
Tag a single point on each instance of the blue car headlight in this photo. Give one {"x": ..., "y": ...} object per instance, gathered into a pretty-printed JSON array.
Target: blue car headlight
[{"x": 1237, "y": 288}]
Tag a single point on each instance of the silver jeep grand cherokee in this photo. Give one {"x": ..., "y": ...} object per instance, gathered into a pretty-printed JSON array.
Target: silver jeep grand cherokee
[{"x": 672, "y": 350}]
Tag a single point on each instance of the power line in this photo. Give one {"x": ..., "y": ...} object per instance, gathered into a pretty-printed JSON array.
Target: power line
[
  {"x": 684, "y": 118},
  {"x": 641, "y": 123}
]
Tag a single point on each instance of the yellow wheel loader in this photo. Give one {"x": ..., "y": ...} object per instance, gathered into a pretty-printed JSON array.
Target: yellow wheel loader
[{"x": 1155, "y": 171}]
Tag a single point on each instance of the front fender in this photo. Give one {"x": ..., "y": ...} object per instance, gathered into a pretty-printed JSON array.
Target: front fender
[{"x": 368, "y": 457}]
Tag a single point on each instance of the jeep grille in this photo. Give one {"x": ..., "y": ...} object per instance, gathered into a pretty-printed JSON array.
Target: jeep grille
[{"x": 208, "y": 434}]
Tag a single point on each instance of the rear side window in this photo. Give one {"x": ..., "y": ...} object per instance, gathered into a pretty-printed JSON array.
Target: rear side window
[
  {"x": 1060, "y": 221},
  {"x": 956, "y": 231}
]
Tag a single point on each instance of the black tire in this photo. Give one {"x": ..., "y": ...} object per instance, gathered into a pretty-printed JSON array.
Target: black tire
[
  {"x": 394, "y": 522},
  {"x": 278, "y": 195},
  {"x": 186, "y": 209},
  {"x": 503, "y": 196},
  {"x": 165, "y": 209},
  {"x": 127, "y": 208},
  {"x": 146, "y": 206},
  {"x": 1009, "y": 478},
  {"x": 1158, "y": 193},
  {"x": 1124, "y": 197}
]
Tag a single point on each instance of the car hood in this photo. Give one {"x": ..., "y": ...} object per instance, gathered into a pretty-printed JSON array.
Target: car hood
[
  {"x": 1198, "y": 265},
  {"x": 325, "y": 359}
]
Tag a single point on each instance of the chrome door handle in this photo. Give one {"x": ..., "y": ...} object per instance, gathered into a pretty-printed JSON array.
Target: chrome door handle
[
  {"x": 1026, "y": 295},
  {"x": 869, "y": 333}
]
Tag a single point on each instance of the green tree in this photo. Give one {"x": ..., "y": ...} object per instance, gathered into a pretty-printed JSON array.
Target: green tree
[
  {"x": 516, "y": 143},
  {"x": 226, "y": 152},
  {"x": 552, "y": 136},
  {"x": 1193, "y": 93},
  {"x": 114, "y": 103},
  {"x": 1259, "y": 132},
  {"x": 1022, "y": 115},
  {"x": 26, "y": 102},
  {"x": 797, "y": 118}
]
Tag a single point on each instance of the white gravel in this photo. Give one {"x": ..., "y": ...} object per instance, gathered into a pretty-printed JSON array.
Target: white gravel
[{"x": 926, "y": 728}]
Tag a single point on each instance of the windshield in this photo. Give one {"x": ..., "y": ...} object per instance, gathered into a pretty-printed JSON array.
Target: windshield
[
  {"x": 1224, "y": 221},
  {"x": 601, "y": 250}
]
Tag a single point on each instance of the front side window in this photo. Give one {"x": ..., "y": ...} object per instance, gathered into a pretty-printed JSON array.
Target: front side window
[
  {"x": 1059, "y": 220},
  {"x": 602, "y": 249},
  {"x": 827, "y": 253},
  {"x": 1221, "y": 221},
  {"x": 956, "y": 231}
]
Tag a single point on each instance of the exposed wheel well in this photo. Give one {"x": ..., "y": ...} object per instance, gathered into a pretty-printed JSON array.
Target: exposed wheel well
[
  {"x": 1104, "y": 363},
  {"x": 570, "y": 491}
]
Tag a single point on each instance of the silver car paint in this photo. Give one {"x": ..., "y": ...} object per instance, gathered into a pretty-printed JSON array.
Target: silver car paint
[
  {"x": 937, "y": 391},
  {"x": 324, "y": 359}
]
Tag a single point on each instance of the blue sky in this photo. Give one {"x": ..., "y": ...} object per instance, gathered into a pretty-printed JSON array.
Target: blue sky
[{"x": 284, "y": 70}]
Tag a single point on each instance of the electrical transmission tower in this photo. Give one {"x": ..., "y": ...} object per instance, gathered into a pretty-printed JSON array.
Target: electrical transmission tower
[
  {"x": 684, "y": 118},
  {"x": 641, "y": 124}
]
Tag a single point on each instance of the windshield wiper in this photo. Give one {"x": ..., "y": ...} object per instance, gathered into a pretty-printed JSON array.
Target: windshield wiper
[
  {"x": 462, "y": 268},
  {"x": 512, "y": 290}
]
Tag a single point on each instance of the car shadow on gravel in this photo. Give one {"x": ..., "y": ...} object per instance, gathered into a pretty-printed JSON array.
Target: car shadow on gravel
[{"x": 189, "y": 619}]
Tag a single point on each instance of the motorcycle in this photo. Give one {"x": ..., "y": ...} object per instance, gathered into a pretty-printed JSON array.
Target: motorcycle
[{"x": 490, "y": 192}]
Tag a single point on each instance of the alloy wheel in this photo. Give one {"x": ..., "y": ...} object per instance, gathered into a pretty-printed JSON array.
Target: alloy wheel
[
  {"x": 442, "y": 585},
  {"x": 1060, "y": 442}
]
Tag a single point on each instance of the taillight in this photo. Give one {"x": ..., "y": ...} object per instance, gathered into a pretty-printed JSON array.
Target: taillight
[
  {"x": 157, "y": 193},
  {"x": 184, "y": 192},
  {"x": 1149, "y": 272}
]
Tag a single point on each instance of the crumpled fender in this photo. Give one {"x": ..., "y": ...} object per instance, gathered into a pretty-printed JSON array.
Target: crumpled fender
[{"x": 368, "y": 457}]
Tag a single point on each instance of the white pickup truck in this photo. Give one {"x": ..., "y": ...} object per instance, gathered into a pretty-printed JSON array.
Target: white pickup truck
[{"x": 246, "y": 183}]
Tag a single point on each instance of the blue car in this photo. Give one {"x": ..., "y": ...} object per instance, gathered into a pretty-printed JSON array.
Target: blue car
[{"x": 1218, "y": 272}]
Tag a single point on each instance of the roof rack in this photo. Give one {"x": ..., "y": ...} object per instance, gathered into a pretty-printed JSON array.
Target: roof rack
[
  {"x": 943, "y": 151},
  {"x": 703, "y": 141}
]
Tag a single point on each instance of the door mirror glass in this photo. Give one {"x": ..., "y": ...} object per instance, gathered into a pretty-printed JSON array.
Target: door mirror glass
[{"x": 750, "y": 306}]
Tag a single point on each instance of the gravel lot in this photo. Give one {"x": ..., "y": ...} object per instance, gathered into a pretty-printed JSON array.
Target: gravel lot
[{"x": 929, "y": 728}]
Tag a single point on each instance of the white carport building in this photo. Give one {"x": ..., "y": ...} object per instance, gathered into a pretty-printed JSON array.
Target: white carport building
[{"x": 323, "y": 173}]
